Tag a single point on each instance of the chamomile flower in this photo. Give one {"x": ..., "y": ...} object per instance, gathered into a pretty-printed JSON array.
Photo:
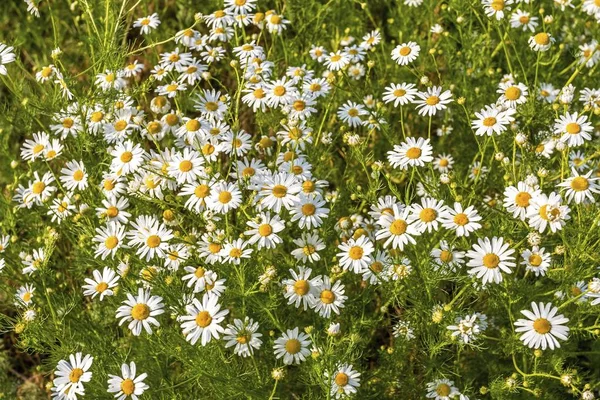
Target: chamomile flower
[
  {"x": 344, "y": 381},
  {"x": 580, "y": 188},
  {"x": 329, "y": 297},
  {"x": 496, "y": 8},
  {"x": 7, "y": 55},
  {"x": 573, "y": 128},
  {"x": 406, "y": 53},
  {"x": 73, "y": 176},
  {"x": 524, "y": 20},
  {"x": 186, "y": 167},
  {"x": 309, "y": 245},
  {"x": 446, "y": 257},
  {"x": 541, "y": 42},
  {"x": 211, "y": 105},
  {"x": 350, "y": 113},
  {"x": 224, "y": 197},
  {"x": 467, "y": 328},
  {"x": 300, "y": 288},
  {"x": 462, "y": 221},
  {"x": 489, "y": 258},
  {"x": 264, "y": 230},
  {"x": 71, "y": 375},
  {"x": 548, "y": 211},
  {"x": 140, "y": 311},
  {"x": 150, "y": 237},
  {"x": 336, "y": 61},
  {"x": 111, "y": 80},
  {"x": 355, "y": 255},
  {"x": 536, "y": 260},
  {"x": 280, "y": 92},
  {"x": 396, "y": 228},
  {"x": 203, "y": 320},
  {"x": 542, "y": 327},
  {"x": 233, "y": 252},
  {"x": 243, "y": 337},
  {"x": 24, "y": 295},
  {"x": 433, "y": 100},
  {"x": 443, "y": 163},
  {"x": 518, "y": 199},
  {"x": 293, "y": 346},
  {"x": 442, "y": 389},
  {"x": 170, "y": 90},
  {"x": 511, "y": 93},
  {"x": 128, "y": 385},
  {"x": 147, "y": 24},
  {"x": 411, "y": 153},
  {"x": 128, "y": 157},
  {"x": 492, "y": 120},
  {"x": 102, "y": 283},
  {"x": 425, "y": 216},
  {"x": 400, "y": 94},
  {"x": 309, "y": 211},
  {"x": 277, "y": 191}
]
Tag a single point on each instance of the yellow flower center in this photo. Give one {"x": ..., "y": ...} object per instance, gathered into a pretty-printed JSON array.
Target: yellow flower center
[
  {"x": 404, "y": 51},
  {"x": 398, "y": 227},
  {"x": 299, "y": 105},
  {"x": 308, "y": 209},
  {"x": 153, "y": 241},
  {"x": 75, "y": 375},
  {"x": 78, "y": 175},
  {"x": 542, "y": 38},
  {"x": 535, "y": 260},
  {"x": 446, "y": 256},
  {"x": 336, "y": 58},
  {"x": 38, "y": 187},
  {"x": 279, "y": 191},
  {"x": 443, "y": 389},
  {"x": 341, "y": 379},
  {"x": 542, "y": 326},
  {"x": 172, "y": 119},
  {"x": 489, "y": 121},
  {"x": 327, "y": 296},
  {"x": 225, "y": 197},
  {"x": 211, "y": 106},
  {"x": 308, "y": 249},
  {"x": 279, "y": 90},
  {"x": 413, "y": 153},
  {"x": 356, "y": 252},
  {"x": 522, "y": 199},
  {"x": 192, "y": 125},
  {"x": 101, "y": 287},
  {"x": 202, "y": 191},
  {"x": 27, "y": 296},
  {"x": 353, "y": 112},
  {"x": 127, "y": 387},
  {"x": 512, "y": 93},
  {"x": 112, "y": 212},
  {"x": 265, "y": 230},
  {"x": 491, "y": 261},
  {"x": 432, "y": 100},
  {"x": 524, "y": 19},
  {"x": 248, "y": 171},
  {"x": 428, "y": 215},
  {"x": 214, "y": 248},
  {"x": 497, "y": 5},
  {"x": 293, "y": 346},
  {"x": 203, "y": 319},
  {"x": 301, "y": 287},
  {"x": 580, "y": 184},
  {"x": 399, "y": 92},
  {"x": 111, "y": 242},
  {"x": 46, "y": 72},
  {"x": 120, "y": 125},
  {"x": 126, "y": 156},
  {"x": 185, "y": 166},
  {"x": 154, "y": 127},
  {"x": 555, "y": 212},
  {"x": 461, "y": 219},
  {"x": 258, "y": 93},
  {"x": 140, "y": 311}
]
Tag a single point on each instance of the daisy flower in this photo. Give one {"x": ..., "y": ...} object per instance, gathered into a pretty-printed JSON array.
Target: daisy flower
[
  {"x": 309, "y": 245},
  {"x": 234, "y": 251},
  {"x": 224, "y": 197},
  {"x": 277, "y": 191},
  {"x": 280, "y": 92},
  {"x": 292, "y": 346},
  {"x": 108, "y": 80},
  {"x": 350, "y": 113},
  {"x": 496, "y": 8},
  {"x": 329, "y": 297},
  {"x": 541, "y": 42},
  {"x": 400, "y": 94},
  {"x": 489, "y": 258},
  {"x": 518, "y": 199},
  {"x": 344, "y": 381},
  {"x": 336, "y": 61},
  {"x": 573, "y": 128},
  {"x": 147, "y": 24},
  {"x": 379, "y": 269},
  {"x": 127, "y": 386},
  {"x": 140, "y": 311},
  {"x": 202, "y": 320},
  {"x": 463, "y": 222},
  {"x": 71, "y": 375},
  {"x": 447, "y": 257},
  {"x": 548, "y": 211},
  {"x": 524, "y": 20},
  {"x": 371, "y": 39},
  {"x": 432, "y": 101},
  {"x": 74, "y": 176},
  {"x": 128, "y": 157},
  {"x": 542, "y": 327},
  {"x": 109, "y": 239},
  {"x": 492, "y": 120},
  {"x": 396, "y": 228},
  {"x": 580, "y": 188},
  {"x": 467, "y": 328},
  {"x": 355, "y": 255},
  {"x": 264, "y": 230},
  {"x": 301, "y": 288},
  {"x": 24, "y": 294},
  {"x": 406, "y": 53},
  {"x": 442, "y": 389},
  {"x": 244, "y": 336},
  {"x": 425, "y": 216},
  {"x": 443, "y": 163},
  {"x": 536, "y": 260},
  {"x": 411, "y": 153},
  {"x": 309, "y": 211},
  {"x": 211, "y": 105},
  {"x": 150, "y": 237},
  {"x": 170, "y": 90},
  {"x": 512, "y": 94},
  {"x": 102, "y": 283},
  {"x": 186, "y": 167}
]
